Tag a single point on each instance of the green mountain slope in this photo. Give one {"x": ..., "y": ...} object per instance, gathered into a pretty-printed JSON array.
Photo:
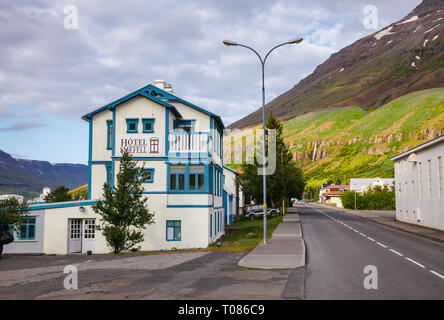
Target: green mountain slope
[{"x": 337, "y": 144}]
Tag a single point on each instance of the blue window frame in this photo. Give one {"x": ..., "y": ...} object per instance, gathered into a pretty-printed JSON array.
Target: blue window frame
[
  {"x": 148, "y": 175},
  {"x": 185, "y": 125},
  {"x": 173, "y": 230},
  {"x": 148, "y": 125},
  {"x": 109, "y": 174},
  {"x": 188, "y": 178},
  {"x": 109, "y": 134},
  {"x": 132, "y": 125},
  {"x": 27, "y": 228}
]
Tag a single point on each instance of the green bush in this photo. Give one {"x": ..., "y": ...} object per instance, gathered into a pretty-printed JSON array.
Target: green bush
[{"x": 376, "y": 198}]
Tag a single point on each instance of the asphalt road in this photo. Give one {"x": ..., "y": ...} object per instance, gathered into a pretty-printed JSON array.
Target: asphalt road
[{"x": 339, "y": 247}]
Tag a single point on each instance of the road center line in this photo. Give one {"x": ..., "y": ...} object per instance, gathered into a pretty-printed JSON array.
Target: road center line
[
  {"x": 396, "y": 252},
  {"x": 382, "y": 245},
  {"x": 437, "y": 274},
  {"x": 417, "y": 263}
]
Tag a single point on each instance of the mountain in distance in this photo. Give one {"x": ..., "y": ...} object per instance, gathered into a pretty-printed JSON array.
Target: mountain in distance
[
  {"x": 29, "y": 177},
  {"x": 336, "y": 144},
  {"x": 404, "y": 57}
]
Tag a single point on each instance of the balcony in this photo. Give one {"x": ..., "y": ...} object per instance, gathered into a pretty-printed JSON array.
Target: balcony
[{"x": 185, "y": 142}]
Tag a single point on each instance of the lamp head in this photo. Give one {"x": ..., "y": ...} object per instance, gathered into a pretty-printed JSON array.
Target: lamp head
[
  {"x": 297, "y": 41},
  {"x": 229, "y": 43}
]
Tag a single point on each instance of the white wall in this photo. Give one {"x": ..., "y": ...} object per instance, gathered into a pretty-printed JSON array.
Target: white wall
[{"x": 420, "y": 189}]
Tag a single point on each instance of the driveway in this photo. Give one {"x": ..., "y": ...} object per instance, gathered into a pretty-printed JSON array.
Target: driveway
[{"x": 188, "y": 275}]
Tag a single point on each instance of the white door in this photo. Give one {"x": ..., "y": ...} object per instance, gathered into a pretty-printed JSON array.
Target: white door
[
  {"x": 75, "y": 236},
  {"x": 88, "y": 241}
]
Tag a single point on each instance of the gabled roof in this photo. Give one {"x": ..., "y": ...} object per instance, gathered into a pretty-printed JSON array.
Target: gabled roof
[
  {"x": 157, "y": 95},
  {"x": 145, "y": 92},
  {"x": 164, "y": 95},
  {"x": 420, "y": 147}
]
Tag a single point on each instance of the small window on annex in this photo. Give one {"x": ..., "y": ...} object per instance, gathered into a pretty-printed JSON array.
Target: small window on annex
[{"x": 173, "y": 230}]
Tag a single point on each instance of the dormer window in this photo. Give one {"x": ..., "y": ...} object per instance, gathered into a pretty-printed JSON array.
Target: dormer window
[
  {"x": 184, "y": 125},
  {"x": 148, "y": 125},
  {"x": 132, "y": 125}
]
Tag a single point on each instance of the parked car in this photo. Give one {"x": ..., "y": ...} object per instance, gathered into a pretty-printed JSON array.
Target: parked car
[{"x": 256, "y": 211}]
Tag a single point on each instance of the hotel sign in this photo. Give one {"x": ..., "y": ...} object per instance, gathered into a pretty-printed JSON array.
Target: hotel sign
[{"x": 139, "y": 146}]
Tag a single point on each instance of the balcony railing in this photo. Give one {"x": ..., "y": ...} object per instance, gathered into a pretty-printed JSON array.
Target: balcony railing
[{"x": 188, "y": 142}]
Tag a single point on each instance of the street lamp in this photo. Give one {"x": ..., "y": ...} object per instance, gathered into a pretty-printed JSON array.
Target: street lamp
[{"x": 233, "y": 43}]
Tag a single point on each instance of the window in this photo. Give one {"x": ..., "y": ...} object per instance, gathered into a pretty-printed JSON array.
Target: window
[
  {"x": 89, "y": 228},
  {"x": 148, "y": 125},
  {"x": 173, "y": 230},
  {"x": 148, "y": 175},
  {"x": 429, "y": 178},
  {"x": 184, "y": 125},
  {"x": 109, "y": 135},
  {"x": 420, "y": 180},
  {"x": 132, "y": 125},
  {"x": 211, "y": 225},
  {"x": 197, "y": 177},
  {"x": 27, "y": 229},
  {"x": 109, "y": 174},
  {"x": 154, "y": 145},
  {"x": 439, "y": 178},
  {"x": 177, "y": 177}
]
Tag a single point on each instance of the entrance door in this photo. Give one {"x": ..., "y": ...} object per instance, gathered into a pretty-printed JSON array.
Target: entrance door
[
  {"x": 75, "y": 236},
  {"x": 88, "y": 240}
]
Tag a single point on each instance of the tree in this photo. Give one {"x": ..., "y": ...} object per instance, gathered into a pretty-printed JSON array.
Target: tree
[
  {"x": 286, "y": 182},
  {"x": 11, "y": 213},
  {"x": 59, "y": 194},
  {"x": 124, "y": 210}
]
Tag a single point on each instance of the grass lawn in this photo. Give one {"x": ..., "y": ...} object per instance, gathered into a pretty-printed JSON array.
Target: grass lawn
[{"x": 245, "y": 235}]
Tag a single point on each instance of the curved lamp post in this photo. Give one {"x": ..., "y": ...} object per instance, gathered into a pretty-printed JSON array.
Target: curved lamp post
[{"x": 233, "y": 43}]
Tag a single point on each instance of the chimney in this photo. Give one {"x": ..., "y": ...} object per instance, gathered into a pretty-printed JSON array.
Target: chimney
[{"x": 162, "y": 84}]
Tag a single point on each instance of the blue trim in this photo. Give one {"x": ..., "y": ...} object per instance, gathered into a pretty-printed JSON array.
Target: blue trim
[
  {"x": 151, "y": 171},
  {"x": 130, "y": 121},
  {"x": 145, "y": 121},
  {"x": 109, "y": 127},
  {"x": 100, "y": 162},
  {"x": 90, "y": 157},
  {"x": 62, "y": 205},
  {"x": 144, "y": 92},
  {"x": 229, "y": 169}
]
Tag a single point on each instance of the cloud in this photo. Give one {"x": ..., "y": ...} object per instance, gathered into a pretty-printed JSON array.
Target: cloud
[
  {"x": 119, "y": 48},
  {"x": 5, "y": 113},
  {"x": 21, "y": 126}
]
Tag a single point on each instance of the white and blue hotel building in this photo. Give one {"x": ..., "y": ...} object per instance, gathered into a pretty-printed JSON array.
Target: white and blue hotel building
[{"x": 180, "y": 146}]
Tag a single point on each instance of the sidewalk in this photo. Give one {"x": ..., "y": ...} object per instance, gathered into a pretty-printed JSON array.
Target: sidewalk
[
  {"x": 285, "y": 250},
  {"x": 388, "y": 218}
]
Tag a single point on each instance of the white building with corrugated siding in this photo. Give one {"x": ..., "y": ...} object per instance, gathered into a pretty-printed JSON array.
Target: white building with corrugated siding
[
  {"x": 180, "y": 146},
  {"x": 419, "y": 184}
]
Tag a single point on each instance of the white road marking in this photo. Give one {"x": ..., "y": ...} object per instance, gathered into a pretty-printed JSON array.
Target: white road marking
[
  {"x": 417, "y": 263},
  {"x": 437, "y": 274},
  {"x": 396, "y": 252},
  {"x": 382, "y": 245}
]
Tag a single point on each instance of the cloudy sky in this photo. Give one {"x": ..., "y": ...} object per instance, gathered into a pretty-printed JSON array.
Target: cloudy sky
[{"x": 50, "y": 75}]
